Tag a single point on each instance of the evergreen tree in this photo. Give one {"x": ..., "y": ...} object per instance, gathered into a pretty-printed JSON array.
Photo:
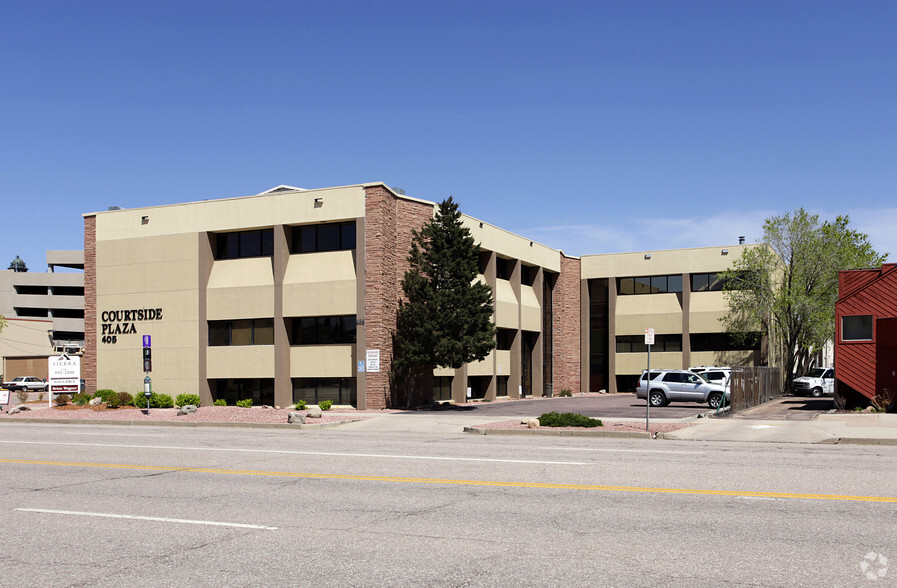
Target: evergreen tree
[{"x": 447, "y": 318}]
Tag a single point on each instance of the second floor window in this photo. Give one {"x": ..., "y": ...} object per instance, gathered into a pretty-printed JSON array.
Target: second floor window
[
  {"x": 257, "y": 243},
  {"x": 241, "y": 332},
  {"x": 323, "y": 237}
]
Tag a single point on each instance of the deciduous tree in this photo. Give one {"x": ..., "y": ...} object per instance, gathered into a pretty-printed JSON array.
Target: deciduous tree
[{"x": 787, "y": 287}]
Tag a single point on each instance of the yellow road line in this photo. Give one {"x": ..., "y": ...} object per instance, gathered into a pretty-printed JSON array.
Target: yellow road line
[{"x": 539, "y": 485}]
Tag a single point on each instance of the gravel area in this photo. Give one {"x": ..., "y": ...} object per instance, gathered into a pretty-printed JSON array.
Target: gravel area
[
  {"x": 608, "y": 426},
  {"x": 205, "y": 414}
]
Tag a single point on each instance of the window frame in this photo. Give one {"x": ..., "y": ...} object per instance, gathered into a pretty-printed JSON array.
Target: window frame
[{"x": 871, "y": 328}]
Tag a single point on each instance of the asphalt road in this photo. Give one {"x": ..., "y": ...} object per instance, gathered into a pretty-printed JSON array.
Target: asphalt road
[{"x": 343, "y": 507}]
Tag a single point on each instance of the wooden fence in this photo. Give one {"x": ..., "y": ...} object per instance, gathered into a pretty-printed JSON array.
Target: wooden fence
[{"x": 751, "y": 386}]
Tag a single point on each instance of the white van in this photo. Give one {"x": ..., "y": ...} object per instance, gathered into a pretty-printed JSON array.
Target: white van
[{"x": 816, "y": 382}]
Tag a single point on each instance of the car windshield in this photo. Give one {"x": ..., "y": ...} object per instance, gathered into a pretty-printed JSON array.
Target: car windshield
[{"x": 815, "y": 373}]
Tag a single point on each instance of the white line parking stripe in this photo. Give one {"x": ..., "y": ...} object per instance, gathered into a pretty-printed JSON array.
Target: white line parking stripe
[
  {"x": 282, "y": 451},
  {"x": 142, "y": 518},
  {"x": 620, "y": 450}
]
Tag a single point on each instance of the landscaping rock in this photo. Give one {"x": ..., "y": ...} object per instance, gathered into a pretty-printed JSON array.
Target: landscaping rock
[
  {"x": 533, "y": 424},
  {"x": 96, "y": 401},
  {"x": 296, "y": 417},
  {"x": 19, "y": 408},
  {"x": 315, "y": 412},
  {"x": 185, "y": 410}
]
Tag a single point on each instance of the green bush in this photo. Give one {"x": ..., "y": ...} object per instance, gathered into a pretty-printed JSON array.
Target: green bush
[
  {"x": 568, "y": 419},
  {"x": 247, "y": 403},
  {"x": 300, "y": 405},
  {"x": 566, "y": 392},
  {"x": 185, "y": 399},
  {"x": 125, "y": 399},
  {"x": 80, "y": 398},
  {"x": 105, "y": 394},
  {"x": 61, "y": 399},
  {"x": 221, "y": 402},
  {"x": 325, "y": 404},
  {"x": 155, "y": 401},
  {"x": 112, "y": 400}
]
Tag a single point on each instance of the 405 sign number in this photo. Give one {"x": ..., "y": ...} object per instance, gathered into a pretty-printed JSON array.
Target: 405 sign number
[{"x": 109, "y": 339}]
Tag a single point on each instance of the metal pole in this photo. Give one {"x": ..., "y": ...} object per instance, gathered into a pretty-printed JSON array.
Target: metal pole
[{"x": 648, "y": 390}]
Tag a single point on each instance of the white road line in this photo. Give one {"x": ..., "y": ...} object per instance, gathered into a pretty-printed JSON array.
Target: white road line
[
  {"x": 620, "y": 450},
  {"x": 283, "y": 451},
  {"x": 141, "y": 518},
  {"x": 757, "y": 498},
  {"x": 113, "y": 434}
]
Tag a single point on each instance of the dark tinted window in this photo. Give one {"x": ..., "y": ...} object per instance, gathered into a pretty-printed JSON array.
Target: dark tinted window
[
  {"x": 323, "y": 237},
  {"x": 856, "y": 328},
  {"x": 257, "y": 243}
]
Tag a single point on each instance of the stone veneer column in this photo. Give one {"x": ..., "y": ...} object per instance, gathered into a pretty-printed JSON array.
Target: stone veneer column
[
  {"x": 567, "y": 326},
  {"x": 387, "y": 241},
  {"x": 89, "y": 361},
  {"x": 283, "y": 385}
]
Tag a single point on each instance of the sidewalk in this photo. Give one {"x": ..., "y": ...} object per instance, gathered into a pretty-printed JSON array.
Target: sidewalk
[{"x": 860, "y": 429}]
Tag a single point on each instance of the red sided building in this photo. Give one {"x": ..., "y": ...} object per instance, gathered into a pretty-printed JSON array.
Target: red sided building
[{"x": 866, "y": 334}]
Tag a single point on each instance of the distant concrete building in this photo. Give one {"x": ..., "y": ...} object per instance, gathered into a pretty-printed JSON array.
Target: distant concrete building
[
  {"x": 25, "y": 347},
  {"x": 57, "y": 296}
]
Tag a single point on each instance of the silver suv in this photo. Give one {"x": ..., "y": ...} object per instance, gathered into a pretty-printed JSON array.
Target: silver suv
[{"x": 679, "y": 386}]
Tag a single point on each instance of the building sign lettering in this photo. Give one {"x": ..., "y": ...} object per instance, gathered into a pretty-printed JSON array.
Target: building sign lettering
[{"x": 124, "y": 322}]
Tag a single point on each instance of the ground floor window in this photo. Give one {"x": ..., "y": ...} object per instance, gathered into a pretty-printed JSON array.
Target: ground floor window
[
  {"x": 627, "y": 383},
  {"x": 442, "y": 388},
  {"x": 316, "y": 390},
  {"x": 477, "y": 385},
  {"x": 259, "y": 390}
]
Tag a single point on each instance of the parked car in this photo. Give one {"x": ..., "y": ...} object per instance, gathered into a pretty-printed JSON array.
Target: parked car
[
  {"x": 679, "y": 386},
  {"x": 26, "y": 383},
  {"x": 719, "y": 376},
  {"x": 816, "y": 382}
]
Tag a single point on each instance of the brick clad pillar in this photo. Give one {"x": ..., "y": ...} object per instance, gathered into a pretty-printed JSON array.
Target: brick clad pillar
[
  {"x": 387, "y": 241},
  {"x": 89, "y": 361},
  {"x": 567, "y": 326}
]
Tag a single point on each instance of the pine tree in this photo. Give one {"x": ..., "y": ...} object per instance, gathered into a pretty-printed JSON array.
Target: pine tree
[{"x": 447, "y": 319}]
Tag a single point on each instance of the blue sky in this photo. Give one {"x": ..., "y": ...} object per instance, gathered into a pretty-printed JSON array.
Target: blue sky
[{"x": 593, "y": 127}]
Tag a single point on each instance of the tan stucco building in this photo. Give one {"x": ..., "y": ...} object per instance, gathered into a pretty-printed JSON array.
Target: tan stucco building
[{"x": 292, "y": 294}]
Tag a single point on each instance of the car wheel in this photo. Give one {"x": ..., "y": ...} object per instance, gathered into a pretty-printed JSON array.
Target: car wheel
[
  {"x": 816, "y": 392},
  {"x": 656, "y": 398},
  {"x": 715, "y": 400}
]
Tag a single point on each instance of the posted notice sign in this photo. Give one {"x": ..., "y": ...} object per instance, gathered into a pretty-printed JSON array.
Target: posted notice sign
[
  {"x": 649, "y": 336},
  {"x": 373, "y": 360},
  {"x": 64, "y": 373}
]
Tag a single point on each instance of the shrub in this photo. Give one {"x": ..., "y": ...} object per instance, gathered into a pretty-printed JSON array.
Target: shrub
[
  {"x": 568, "y": 419},
  {"x": 105, "y": 394},
  {"x": 221, "y": 402},
  {"x": 61, "y": 399},
  {"x": 125, "y": 399},
  {"x": 300, "y": 405},
  {"x": 80, "y": 398},
  {"x": 566, "y": 392},
  {"x": 22, "y": 395},
  {"x": 247, "y": 403},
  {"x": 155, "y": 401},
  {"x": 325, "y": 404},
  {"x": 40, "y": 396},
  {"x": 112, "y": 400},
  {"x": 185, "y": 399}
]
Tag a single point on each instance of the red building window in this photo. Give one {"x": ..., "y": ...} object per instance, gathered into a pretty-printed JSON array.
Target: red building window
[{"x": 856, "y": 328}]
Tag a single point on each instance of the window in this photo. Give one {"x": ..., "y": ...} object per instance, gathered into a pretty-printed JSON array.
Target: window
[
  {"x": 713, "y": 282},
  {"x": 650, "y": 285},
  {"x": 503, "y": 268},
  {"x": 323, "y": 330},
  {"x": 505, "y": 338},
  {"x": 528, "y": 274},
  {"x": 856, "y": 328},
  {"x": 241, "y": 332},
  {"x": 258, "y": 243},
  {"x": 442, "y": 387},
  {"x": 636, "y": 343},
  {"x": 725, "y": 341},
  {"x": 324, "y": 237},
  {"x": 315, "y": 390}
]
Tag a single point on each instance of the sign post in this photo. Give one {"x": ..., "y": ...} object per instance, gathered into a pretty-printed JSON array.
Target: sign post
[
  {"x": 649, "y": 341},
  {"x": 147, "y": 368}
]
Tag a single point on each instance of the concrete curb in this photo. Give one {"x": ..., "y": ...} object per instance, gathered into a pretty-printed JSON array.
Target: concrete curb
[
  {"x": 180, "y": 424},
  {"x": 561, "y": 433}
]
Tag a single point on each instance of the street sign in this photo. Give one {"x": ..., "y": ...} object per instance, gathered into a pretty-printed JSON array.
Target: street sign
[
  {"x": 649, "y": 336},
  {"x": 147, "y": 341},
  {"x": 147, "y": 365}
]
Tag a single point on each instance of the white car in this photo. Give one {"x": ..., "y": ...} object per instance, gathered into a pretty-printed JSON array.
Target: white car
[
  {"x": 26, "y": 383},
  {"x": 816, "y": 382}
]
